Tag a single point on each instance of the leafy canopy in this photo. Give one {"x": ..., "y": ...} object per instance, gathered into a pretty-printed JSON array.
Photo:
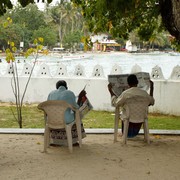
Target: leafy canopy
[
  {"x": 7, "y": 4},
  {"x": 119, "y": 17}
]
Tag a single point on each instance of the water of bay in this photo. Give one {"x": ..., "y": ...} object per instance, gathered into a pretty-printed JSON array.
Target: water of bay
[{"x": 126, "y": 61}]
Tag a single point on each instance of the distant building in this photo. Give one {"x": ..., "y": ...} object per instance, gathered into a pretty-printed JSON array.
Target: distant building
[
  {"x": 130, "y": 47},
  {"x": 102, "y": 42}
]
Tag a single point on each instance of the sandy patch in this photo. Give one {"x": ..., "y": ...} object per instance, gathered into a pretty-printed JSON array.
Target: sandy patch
[{"x": 21, "y": 158}]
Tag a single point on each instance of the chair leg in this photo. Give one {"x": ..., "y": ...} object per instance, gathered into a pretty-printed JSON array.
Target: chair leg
[
  {"x": 79, "y": 132},
  {"x": 125, "y": 133},
  {"x": 69, "y": 137},
  {"x": 116, "y": 123},
  {"x": 46, "y": 138},
  {"x": 146, "y": 131}
]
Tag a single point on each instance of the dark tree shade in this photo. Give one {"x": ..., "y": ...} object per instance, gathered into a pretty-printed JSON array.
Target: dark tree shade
[
  {"x": 4, "y": 4},
  {"x": 123, "y": 15},
  {"x": 170, "y": 12},
  {"x": 120, "y": 17}
]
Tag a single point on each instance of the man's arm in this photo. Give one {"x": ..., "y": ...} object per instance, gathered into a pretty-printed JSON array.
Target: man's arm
[
  {"x": 151, "y": 88},
  {"x": 113, "y": 96},
  {"x": 81, "y": 97},
  {"x": 115, "y": 101},
  {"x": 72, "y": 99},
  {"x": 110, "y": 90},
  {"x": 151, "y": 93}
]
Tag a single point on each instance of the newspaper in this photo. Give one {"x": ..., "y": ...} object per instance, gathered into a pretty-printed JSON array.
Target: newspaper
[
  {"x": 84, "y": 103},
  {"x": 119, "y": 82},
  {"x": 85, "y": 108}
]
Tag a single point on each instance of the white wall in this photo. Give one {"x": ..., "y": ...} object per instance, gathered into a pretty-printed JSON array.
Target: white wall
[
  {"x": 166, "y": 92},
  {"x": 167, "y": 97}
]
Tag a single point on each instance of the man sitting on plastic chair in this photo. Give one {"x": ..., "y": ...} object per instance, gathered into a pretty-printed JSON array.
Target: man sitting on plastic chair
[
  {"x": 58, "y": 137},
  {"x": 124, "y": 101}
]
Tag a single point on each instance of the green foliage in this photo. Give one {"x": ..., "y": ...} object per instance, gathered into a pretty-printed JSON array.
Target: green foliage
[
  {"x": 68, "y": 20},
  {"x": 4, "y": 4},
  {"x": 54, "y": 25},
  {"x": 25, "y": 22},
  {"x": 119, "y": 17},
  {"x": 47, "y": 33},
  {"x": 29, "y": 17},
  {"x": 19, "y": 93},
  {"x": 175, "y": 44},
  {"x": 12, "y": 33},
  {"x": 72, "y": 38}
]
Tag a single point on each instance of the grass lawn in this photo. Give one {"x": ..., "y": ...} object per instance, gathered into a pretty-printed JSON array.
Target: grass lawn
[{"x": 33, "y": 118}]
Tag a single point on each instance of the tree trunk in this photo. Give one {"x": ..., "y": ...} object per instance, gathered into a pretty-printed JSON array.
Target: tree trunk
[{"x": 170, "y": 12}]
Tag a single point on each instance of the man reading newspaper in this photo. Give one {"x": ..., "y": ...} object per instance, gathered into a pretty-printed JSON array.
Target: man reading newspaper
[
  {"x": 58, "y": 136},
  {"x": 119, "y": 82},
  {"x": 128, "y": 89}
]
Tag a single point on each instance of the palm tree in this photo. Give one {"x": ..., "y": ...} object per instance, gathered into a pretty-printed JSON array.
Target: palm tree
[{"x": 66, "y": 17}]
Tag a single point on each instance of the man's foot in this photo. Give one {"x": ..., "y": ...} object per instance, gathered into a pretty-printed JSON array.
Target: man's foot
[
  {"x": 54, "y": 145},
  {"x": 76, "y": 144},
  {"x": 120, "y": 134}
]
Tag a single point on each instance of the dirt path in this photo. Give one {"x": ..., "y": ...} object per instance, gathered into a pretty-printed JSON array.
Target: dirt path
[{"x": 21, "y": 158}]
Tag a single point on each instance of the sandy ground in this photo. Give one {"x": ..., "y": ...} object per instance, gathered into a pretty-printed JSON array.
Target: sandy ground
[{"x": 21, "y": 158}]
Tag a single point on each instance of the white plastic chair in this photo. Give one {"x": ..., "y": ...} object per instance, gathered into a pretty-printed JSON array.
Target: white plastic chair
[
  {"x": 136, "y": 111},
  {"x": 54, "y": 119}
]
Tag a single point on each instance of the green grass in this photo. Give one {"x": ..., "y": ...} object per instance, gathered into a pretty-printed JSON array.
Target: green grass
[{"x": 34, "y": 118}]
